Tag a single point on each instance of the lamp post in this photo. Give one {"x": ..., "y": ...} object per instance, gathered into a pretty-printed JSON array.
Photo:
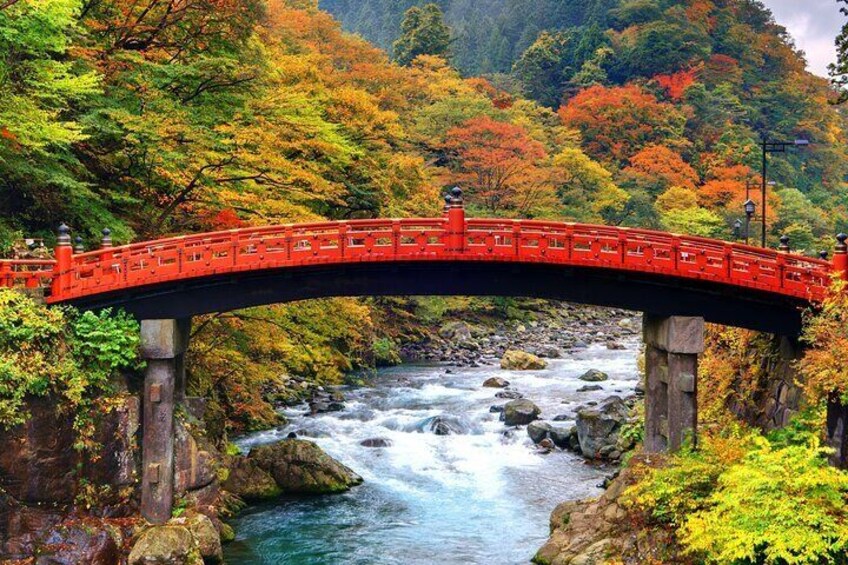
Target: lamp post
[
  {"x": 737, "y": 230},
  {"x": 774, "y": 147},
  {"x": 750, "y": 210}
]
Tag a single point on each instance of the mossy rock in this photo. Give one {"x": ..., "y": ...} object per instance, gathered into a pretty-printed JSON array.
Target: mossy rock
[
  {"x": 301, "y": 467},
  {"x": 165, "y": 545},
  {"x": 250, "y": 483},
  {"x": 515, "y": 360}
]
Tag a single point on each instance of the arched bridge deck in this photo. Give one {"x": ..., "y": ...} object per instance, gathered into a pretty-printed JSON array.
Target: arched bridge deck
[{"x": 656, "y": 272}]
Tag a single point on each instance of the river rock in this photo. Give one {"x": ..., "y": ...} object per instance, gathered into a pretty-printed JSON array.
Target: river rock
[
  {"x": 520, "y": 412},
  {"x": 301, "y": 467},
  {"x": 515, "y": 360},
  {"x": 496, "y": 409},
  {"x": 250, "y": 483},
  {"x": 205, "y": 535},
  {"x": 509, "y": 394},
  {"x": 590, "y": 388},
  {"x": 454, "y": 331},
  {"x": 561, "y": 436},
  {"x": 594, "y": 376},
  {"x": 495, "y": 382},
  {"x": 548, "y": 351},
  {"x": 598, "y": 427},
  {"x": 538, "y": 431},
  {"x": 376, "y": 442},
  {"x": 165, "y": 545}
]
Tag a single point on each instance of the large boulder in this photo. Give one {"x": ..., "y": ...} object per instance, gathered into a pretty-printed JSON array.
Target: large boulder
[
  {"x": 515, "y": 360},
  {"x": 206, "y": 536},
  {"x": 250, "y": 483},
  {"x": 301, "y": 467},
  {"x": 594, "y": 376},
  {"x": 165, "y": 545},
  {"x": 75, "y": 543},
  {"x": 598, "y": 426},
  {"x": 520, "y": 412}
]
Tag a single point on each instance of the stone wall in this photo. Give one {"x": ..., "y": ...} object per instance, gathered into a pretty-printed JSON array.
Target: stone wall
[
  {"x": 42, "y": 476},
  {"x": 777, "y": 396}
]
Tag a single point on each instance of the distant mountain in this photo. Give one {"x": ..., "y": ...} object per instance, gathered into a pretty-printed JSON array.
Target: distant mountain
[{"x": 490, "y": 35}]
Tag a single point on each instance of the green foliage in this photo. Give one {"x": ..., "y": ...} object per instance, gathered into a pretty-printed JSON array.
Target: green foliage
[
  {"x": 694, "y": 221},
  {"x": 386, "y": 352},
  {"x": 423, "y": 32},
  {"x": 744, "y": 499},
  {"x": 777, "y": 506},
  {"x": 53, "y": 351}
]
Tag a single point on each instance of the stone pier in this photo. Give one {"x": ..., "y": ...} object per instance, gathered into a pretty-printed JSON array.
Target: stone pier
[
  {"x": 672, "y": 346},
  {"x": 163, "y": 346}
]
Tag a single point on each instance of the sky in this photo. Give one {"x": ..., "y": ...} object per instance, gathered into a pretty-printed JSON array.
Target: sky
[{"x": 814, "y": 24}]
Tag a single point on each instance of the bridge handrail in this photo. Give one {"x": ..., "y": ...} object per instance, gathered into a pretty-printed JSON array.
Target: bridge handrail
[{"x": 452, "y": 237}]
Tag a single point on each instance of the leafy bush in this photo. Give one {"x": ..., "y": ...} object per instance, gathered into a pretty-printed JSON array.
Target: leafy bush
[
  {"x": 743, "y": 499},
  {"x": 58, "y": 351},
  {"x": 777, "y": 506},
  {"x": 386, "y": 352}
]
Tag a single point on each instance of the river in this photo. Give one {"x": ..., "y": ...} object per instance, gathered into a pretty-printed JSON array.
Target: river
[{"x": 481, "y": 495}]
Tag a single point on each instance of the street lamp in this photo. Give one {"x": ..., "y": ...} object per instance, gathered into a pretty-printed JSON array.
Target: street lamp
[
  {"x": 750, "y": 210},
  {"x": 737, "y": 230},
  {"x": 774, "y": 147}
]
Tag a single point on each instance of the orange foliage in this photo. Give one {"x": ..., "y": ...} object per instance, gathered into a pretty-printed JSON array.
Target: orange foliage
[
  {"x": 661, "y": 162},
  {"x": 726, "y": 188},
  {"x": 720, "y": 68},
  {"x": 825, "y": 365},
  {"x": 699, "y": 12},
  {"x": 677, "y": 83},
  {"x": 500, "y": 99},
  {"x": 495, "y": 161},
  {"x": 617, "y": 122}
]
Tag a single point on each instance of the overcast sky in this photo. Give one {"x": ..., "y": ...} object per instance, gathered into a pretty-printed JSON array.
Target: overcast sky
[{"x": 814, "y": 24}]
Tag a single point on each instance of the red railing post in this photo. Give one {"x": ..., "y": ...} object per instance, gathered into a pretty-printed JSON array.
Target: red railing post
[
  {"x": 840, "y": 257},
  {"x": 456, "y": 222},
  {"x": 64, "y": 261}
]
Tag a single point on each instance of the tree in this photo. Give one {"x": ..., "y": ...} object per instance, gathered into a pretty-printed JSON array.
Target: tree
[
  {"x": 662, "y": 166},
  {"x": 43, "y": 88},
  {"x": 617, "y": 122},
  {"x": 495, "y": 161},
  {"x": 424, "y": 32},
  {"x": 579, "y": 180},
  {"x": 693, "y": 221},
  {"x": 546, "y": 66},
  {"x": 839, "y": 70}
]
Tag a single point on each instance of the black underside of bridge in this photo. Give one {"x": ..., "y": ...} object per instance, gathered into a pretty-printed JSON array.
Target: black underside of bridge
[{"x": 659, "y": 295}]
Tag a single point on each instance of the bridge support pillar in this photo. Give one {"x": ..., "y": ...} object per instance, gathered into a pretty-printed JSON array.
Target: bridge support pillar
[
  {"x": 672, "y": 346},
  {"x": 163, "y": 346}
]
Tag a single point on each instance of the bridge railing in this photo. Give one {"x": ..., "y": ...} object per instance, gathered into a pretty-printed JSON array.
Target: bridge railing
[
  {"x": 26, "y": 273},
  {"x": 452, "y": 237}
]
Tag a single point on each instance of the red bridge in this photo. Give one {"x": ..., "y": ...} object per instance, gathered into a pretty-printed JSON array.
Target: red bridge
[
  {"x": 659, "y": 273},
  {"x": 677, "y": 281}
]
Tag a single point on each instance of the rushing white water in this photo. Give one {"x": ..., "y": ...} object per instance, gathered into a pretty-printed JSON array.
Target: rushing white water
[{"x": 482, "y": 495}]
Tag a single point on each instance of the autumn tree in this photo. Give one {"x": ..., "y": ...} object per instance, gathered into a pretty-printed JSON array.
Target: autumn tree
[
  {"x": 660, "y": 167},
  {"x": 423, "y": 32},
  {"x": 585, "y": 188},
  {"x": 617, "y": 122},
  {"x": 497, "y": 162}
]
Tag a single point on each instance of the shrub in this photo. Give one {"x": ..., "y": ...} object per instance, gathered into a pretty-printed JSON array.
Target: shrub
[
  {"x": 776, "y": 506},
  {"x": 57, "y": 351}
]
